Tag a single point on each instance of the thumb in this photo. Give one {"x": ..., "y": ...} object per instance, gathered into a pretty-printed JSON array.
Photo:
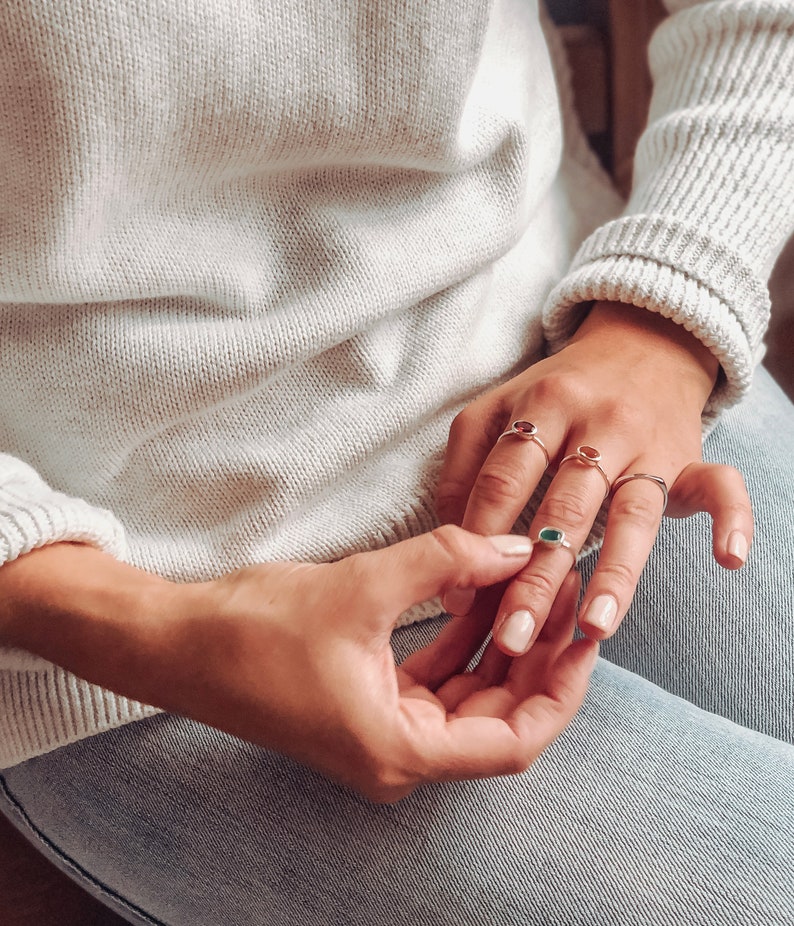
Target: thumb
[
  {"x": 419, "y": 569},
  {"x": 720, "y": 491}
]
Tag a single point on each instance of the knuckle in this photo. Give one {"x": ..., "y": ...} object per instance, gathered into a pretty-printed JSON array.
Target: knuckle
[
  {"x": 623, "y": 417},
  {"x": 558, "y": 389},
  {"x": 536, "y": 584},
  {"x": 501, "y": 482},
  {"x": 451, "y": 539},
  {"x": 618, "y": 574},
  {"x": 639, "y": 510},
  {"x": 736, "y": 510},
  {"x": 567, "y": 508},
  {"x": 461, "y": 421}
]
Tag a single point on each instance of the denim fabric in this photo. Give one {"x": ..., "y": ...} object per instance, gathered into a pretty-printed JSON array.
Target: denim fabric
[{"x": 666, "y": 801}]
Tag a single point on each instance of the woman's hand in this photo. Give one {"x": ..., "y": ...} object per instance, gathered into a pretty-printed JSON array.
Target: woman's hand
[
  {"x": 632, "y": 385},
  {"x": 297, "y": 657}
]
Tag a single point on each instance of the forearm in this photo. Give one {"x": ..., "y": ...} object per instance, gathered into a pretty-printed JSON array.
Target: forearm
[{"x": 80, "y": 608}]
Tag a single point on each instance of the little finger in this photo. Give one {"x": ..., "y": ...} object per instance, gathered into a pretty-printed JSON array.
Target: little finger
[{"x": 720, "y": 491}]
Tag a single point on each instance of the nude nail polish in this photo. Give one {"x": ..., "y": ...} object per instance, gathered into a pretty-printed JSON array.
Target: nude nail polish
[
  {"x": 601, "y": 613},
  {"x": 511, "y": 544},
  {"x": 516, "y": 631},
  {"x": 737, "y": 545}
]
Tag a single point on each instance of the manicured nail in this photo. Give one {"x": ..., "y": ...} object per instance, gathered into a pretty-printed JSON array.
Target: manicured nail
[
  {"x": 737, "y": 545},
  {"x": 459, "y": 600},
  {"x": 511, "y": 544},
  {"x": 601, "y": 612},
  {"x": 516, "y": 632}
]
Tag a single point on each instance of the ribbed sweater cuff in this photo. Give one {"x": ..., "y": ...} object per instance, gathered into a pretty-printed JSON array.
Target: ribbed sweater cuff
[
  {"x": 33, "y": 515},
  {"x": 669, "y": 268},
  {"x": 48, "y": 707}
]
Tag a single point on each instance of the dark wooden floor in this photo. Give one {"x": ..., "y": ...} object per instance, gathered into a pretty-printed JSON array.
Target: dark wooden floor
[{"x": 35, "y": 893}]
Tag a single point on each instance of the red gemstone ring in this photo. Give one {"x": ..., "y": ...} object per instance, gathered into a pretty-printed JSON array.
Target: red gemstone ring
[
  {"x": 590, "y": 457},
  {"x": 527, "y": 431}
]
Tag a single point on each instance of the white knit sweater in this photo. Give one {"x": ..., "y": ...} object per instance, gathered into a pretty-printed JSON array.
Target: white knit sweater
[{"x": 255, "y": 256}]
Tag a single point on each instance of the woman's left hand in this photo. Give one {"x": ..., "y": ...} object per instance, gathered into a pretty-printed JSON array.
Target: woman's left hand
[{"x": 632, "y": 385}]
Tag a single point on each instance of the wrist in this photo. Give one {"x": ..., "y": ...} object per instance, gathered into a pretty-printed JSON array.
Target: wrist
[
  {"x": 649, "y": 338},
  {"x": 80, "y": 608}
]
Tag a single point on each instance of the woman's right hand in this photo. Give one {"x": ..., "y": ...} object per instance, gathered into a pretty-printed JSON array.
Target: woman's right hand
[{"x": 297, "y": 658}]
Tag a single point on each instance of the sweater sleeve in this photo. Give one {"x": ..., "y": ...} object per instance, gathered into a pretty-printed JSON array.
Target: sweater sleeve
[
  {"x": 713, "y": 193},
  {"x": 32, "y": 515}
]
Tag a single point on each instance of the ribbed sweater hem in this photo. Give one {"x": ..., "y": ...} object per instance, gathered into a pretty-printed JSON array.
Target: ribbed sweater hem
[{"x": 68, "y": 710}]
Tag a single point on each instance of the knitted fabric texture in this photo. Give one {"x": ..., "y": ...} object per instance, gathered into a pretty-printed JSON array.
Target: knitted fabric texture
[{"x": 254, "y": 259}]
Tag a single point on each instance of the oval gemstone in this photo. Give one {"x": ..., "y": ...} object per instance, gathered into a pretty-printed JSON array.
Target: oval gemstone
[
  {"x": 590, "y": 453},
  {"x": 524, "y": 427},
  {"x": 550, "y": 535}
]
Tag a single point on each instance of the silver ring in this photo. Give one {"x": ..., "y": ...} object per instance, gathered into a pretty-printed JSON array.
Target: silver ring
[
  {"x": 554, "y": 537},
  {"x": 527, "y": 431},
  {"x": 656, "y": 480},
  {"x": 590, "y": 457}
]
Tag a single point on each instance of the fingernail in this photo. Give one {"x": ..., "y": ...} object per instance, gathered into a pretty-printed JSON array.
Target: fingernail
[
  {"x": 511, "y": 544},
  {"x": 737, "y": 545},
  {"x": 459, "y": 600},
  {"x": 516, "y": 632},
  {"x": 601, "y": 612}
]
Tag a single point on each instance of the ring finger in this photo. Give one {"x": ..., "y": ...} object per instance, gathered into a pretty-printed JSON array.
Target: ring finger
[{"x": 635, "y": 514}]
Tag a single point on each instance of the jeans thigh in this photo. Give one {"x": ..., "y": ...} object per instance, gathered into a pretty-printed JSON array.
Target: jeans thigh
[
  {"x": 647, "y": 810},
  {"x": 724, "y": 640}
]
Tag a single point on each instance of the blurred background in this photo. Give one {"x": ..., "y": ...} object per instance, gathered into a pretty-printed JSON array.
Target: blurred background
[{"x": 606, "y": 42}]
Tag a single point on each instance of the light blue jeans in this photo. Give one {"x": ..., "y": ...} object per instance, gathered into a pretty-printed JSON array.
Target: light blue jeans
[{"x": 669, "y": 800}]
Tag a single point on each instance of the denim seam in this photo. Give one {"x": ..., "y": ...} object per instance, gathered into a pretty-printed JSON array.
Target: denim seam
[{"x": 70, "y": 862}]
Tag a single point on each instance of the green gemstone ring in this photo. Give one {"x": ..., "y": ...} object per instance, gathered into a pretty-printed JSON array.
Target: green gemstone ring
[{"x": 554, "y": 537}]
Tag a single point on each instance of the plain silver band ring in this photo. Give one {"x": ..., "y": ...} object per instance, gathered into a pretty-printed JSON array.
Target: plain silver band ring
[
  {"x": 657, "y": 480},
  {"x": 526, "y": 431},
  {"x": 589, "y": 456}
]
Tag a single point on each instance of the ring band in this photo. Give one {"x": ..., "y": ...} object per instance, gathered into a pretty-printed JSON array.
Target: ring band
[
  {"x": 590, "y": 457},
  {"x": 526, "y": 431},
  {"x": 554, "y": 537},
  {"x": 656, "y": 480}
]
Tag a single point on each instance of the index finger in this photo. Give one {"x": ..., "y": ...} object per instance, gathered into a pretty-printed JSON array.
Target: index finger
[
  {"x": 507, "y": 478},
  {"x": 471, "y": 436}
]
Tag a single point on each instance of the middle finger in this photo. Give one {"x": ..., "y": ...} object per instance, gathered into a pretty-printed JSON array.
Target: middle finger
[{"x": 560, "y": 527}]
